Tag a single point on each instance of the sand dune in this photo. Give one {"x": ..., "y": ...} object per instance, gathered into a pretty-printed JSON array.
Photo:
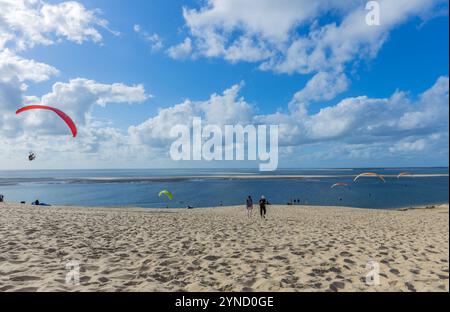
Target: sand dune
[{"x": 219, "y": 249}]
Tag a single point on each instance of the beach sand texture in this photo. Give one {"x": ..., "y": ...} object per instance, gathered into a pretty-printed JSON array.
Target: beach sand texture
[{"x": 298, "y": 248}]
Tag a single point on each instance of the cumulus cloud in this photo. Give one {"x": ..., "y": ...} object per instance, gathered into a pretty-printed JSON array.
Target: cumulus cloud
[
  {"x": 46, "y": 134},
  {"x": 219, "y": 109},
  {"x": 220, "y": 26},
  {"x": 295, "y": 36},
  {"x": 181, "y": 50},
  {"x": 354, "y": 129},
  {"x": 15, "y": 73},
  {"x": 77, "y": 98},
  {"x": 26, "y": 23},
  {"x": 359, "y": 127},
  {"x": 363, "y": 120},
  {"x": 14, "y": 66},
  {"x": 267, "y": 19},
  {"x": 322, "y": 86}
]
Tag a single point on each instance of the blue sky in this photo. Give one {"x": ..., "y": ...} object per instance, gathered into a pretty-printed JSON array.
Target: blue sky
[{"x": 406, "y": 55}]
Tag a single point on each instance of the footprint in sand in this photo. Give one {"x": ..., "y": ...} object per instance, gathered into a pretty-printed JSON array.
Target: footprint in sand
[
  {"x": 394, "y": 271},
  {"x": 26, "y": 289},
  {"x": 335, "y": 286},
  {"x": 349, "y": 261},
  {"x": 103, "y": 279},
  {"x": 410, "y": 287},
  {"x": 24, "y": 278},
  {"x": 211, "y": 258}
]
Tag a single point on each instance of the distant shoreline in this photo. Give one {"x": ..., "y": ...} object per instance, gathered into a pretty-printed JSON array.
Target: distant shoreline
[
  {"x": 175, "y": 209},
  {"x": 224, "y": 169},
  {"x": 11, "y": 181}
]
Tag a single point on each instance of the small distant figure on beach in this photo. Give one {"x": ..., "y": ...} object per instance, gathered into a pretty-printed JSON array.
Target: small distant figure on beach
[
  {"x": 262, "y": 207},
  {"x": 38, "y": 203},
  {"x": 249, "y": 206},
  {"x": 1, "y": 198}
]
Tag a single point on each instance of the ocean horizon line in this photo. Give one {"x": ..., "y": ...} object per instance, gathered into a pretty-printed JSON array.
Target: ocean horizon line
[{"x": 234, "y": 168}]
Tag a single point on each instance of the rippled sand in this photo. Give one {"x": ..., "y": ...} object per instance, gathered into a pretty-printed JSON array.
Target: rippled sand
[{"x": 219, "y": 249}]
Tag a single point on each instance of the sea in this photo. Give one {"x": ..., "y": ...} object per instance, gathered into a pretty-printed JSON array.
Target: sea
[{"x": 216, "y": 187}]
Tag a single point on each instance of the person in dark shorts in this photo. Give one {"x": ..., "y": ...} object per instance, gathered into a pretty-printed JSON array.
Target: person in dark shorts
[{"x": 262, "y": 207}]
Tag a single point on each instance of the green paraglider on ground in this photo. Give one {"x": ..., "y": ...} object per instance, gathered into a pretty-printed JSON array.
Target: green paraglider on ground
[{"x": 167, "y": 193}]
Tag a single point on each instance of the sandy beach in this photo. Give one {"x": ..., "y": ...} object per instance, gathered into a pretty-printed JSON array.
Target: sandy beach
[{"x": 298, "y": 248}]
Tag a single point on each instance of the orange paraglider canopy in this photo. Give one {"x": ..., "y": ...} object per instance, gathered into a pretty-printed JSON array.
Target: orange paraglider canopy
[
  {"x": 61, "y": 114},
  {"x": 403, "y": 174},
  {"x": 369, "y": 174},
  {"x": 339, "y": 184}
]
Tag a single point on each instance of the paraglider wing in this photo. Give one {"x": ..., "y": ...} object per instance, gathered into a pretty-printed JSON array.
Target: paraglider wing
[
  {"x": 339, "y": 184},
  {"x": 167, "y": 193},
  {"x": 61, "y": 114},
  {"x": 369, "y": 174}
]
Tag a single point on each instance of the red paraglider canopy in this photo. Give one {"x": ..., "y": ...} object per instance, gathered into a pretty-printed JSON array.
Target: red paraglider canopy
[{"x": 67, "y": 119}]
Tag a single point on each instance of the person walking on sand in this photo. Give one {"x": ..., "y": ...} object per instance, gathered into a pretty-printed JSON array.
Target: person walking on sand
[
  {"x": 249, "y": 206},
  {"x": 262, "y": 206}
]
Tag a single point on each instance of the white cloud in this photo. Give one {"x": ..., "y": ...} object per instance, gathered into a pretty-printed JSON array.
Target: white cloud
[
  {"x": 362, "y": 120},
  {"x": 322, "y": 86},
  {"x": 27, "y": 23},
  {"x": 98, "y": 142},
  {"x": 13, "y": 66},
  {"x": 219, "y": 109},
  {"x": 427, "y": 114},
  {"x": 357, "y": 127},
  {"x": 76, "y": 98},
  {"x": 247, "y": 49},
  {"x": 296, "y": 36},
  {"x": 227, "y": 108},
  {"x": 15, "y": 71},
  {"x": 221, "y": 26},
  {"x": 410, "y": 146},
  {"x": 271, "y": 20},
  {"x": 349, "y": 132},
  {"x": 155, "y": 41}
]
